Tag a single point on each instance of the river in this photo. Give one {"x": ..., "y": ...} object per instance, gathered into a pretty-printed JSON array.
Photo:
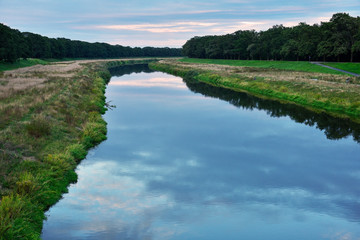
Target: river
[{"x": 185, "y": 160}]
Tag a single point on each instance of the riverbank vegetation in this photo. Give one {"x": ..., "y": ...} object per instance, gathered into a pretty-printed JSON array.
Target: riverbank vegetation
[
  {"x": 336, "y": 40},
  {"x": 15, "y": 44},
  {"x": 50, "y": 116},
  {"x": 320, "y": 91}
]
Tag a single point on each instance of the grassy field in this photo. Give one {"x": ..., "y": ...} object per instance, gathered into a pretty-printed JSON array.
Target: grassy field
[
  {"x": 46, "y": 129},
  {"x": 318, "y": 91},
  {"x": 4, "y": 66},
  {"x": 282, "y": 65},
  {"x": 350, "y": 67},
  {"x": 21, "y": 63}
]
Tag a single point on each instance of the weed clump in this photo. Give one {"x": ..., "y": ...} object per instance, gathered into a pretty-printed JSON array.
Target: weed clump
[
  {"x": 17, "y": 216},
  {"x": 77, "y": 151},
  {"x": 94, "y": 133},
  {"x": 27, "y": 184},
  {"x": 38, "y": 127}
]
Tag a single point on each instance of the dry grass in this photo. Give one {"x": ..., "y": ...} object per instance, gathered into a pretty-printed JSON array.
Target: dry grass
[
  {"x": 15, "y": 81},
  {"x": 35, "y": 77}
]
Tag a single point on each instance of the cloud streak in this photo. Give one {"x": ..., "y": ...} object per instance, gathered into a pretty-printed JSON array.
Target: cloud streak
[{"x": 177, "y": 27}]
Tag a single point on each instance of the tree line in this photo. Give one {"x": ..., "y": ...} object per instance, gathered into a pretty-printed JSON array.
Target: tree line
[
  {"x": 15, "y": 44},
  {"x": 336, "y": 40}
]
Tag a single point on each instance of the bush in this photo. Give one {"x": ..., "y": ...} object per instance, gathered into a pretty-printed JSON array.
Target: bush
[
  {"x": 77, "y": 151},
  {"x": 283, "y": 89},
  {"x": 38, "y": 127},
  {"x": 105, "y": 75},
  {"x": 11, "y": 207},
  {"x": 94, "y": 133},
  {"x": 19, "y": 218},
  {"x": 60, "y": 162},
  {"x": 190, "y": 75},
  {"x": 27, "y": 184}
]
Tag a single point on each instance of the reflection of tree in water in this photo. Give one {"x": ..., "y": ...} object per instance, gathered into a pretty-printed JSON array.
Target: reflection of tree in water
[
  {"x": 129, "y": 69},
  {"x": 334, "y": 128}
]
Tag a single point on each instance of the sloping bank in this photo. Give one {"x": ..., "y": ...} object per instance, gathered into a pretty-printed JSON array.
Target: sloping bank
[
  {"x": 42, "y": 143},
  {"x": 316, "y": 91}
]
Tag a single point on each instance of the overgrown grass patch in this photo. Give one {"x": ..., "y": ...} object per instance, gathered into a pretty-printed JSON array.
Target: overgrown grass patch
[{"x": 39, "y": 126}]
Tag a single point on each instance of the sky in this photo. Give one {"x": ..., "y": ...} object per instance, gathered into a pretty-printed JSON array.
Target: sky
[{"x": 161, "y": 23}]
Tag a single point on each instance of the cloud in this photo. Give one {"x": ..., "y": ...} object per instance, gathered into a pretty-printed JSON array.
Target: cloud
[
  {"x": 151, "y": 82},
  {"x": 176, "y": 27},
  {"x": 159, "y": 23}
]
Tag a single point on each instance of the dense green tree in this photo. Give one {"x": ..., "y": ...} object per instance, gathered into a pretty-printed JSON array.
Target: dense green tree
[
  {"x": 344, "y": 30},
  {"x": 15, "y": 45},
  {"x": 338, "y": 39},
  {"x": 12, "y": 44}
]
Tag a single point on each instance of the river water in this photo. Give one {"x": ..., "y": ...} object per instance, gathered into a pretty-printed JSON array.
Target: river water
[{"x": 185, "y": 160}]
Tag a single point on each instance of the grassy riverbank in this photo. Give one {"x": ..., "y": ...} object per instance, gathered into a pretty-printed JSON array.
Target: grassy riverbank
[
  {"x": 50, "y": 116},
  {"x": 318, "y": 91}
]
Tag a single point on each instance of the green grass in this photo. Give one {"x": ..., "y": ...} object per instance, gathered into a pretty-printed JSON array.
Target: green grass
[
  {"x": 21, "y": 63},
  {"x": 282, "y": 65},
  {"x": 347, "y": 66}
]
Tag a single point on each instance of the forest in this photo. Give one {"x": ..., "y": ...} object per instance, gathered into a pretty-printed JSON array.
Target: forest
[
  {"x": 15, "y": 44},
  {"x": 336, "y": 40}
]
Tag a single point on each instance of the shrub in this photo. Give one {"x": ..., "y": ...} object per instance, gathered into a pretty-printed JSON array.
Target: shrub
[
  {"x": 38, "y": 127},
  {"x": 77, "y": 151},
  {"x": 190, "y": 75},
  {"x": 10, "y": 208},
  {"x": 105, "y": 75},
  {"x": 94, "y": 133},
  {"x": 27, "y": 184},
  {"x": 19, "y": 218},
  {"x": 283, "y": 89},
  {"x": 60, "y": 162}
]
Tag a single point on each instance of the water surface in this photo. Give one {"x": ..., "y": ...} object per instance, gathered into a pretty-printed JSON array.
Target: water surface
[{"x": 190, "y": 161}]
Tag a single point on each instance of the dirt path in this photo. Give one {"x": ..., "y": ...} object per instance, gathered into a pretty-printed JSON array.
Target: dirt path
[{"x": 336, "y": 69}]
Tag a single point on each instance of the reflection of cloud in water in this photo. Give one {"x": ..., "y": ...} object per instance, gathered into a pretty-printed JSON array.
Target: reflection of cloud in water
[
  {"x": 114, "y": 207},
  {"x": 150, "y": 82},
  {"x": 190, "y": 188},
  {"x": 195, "y": 181}
]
